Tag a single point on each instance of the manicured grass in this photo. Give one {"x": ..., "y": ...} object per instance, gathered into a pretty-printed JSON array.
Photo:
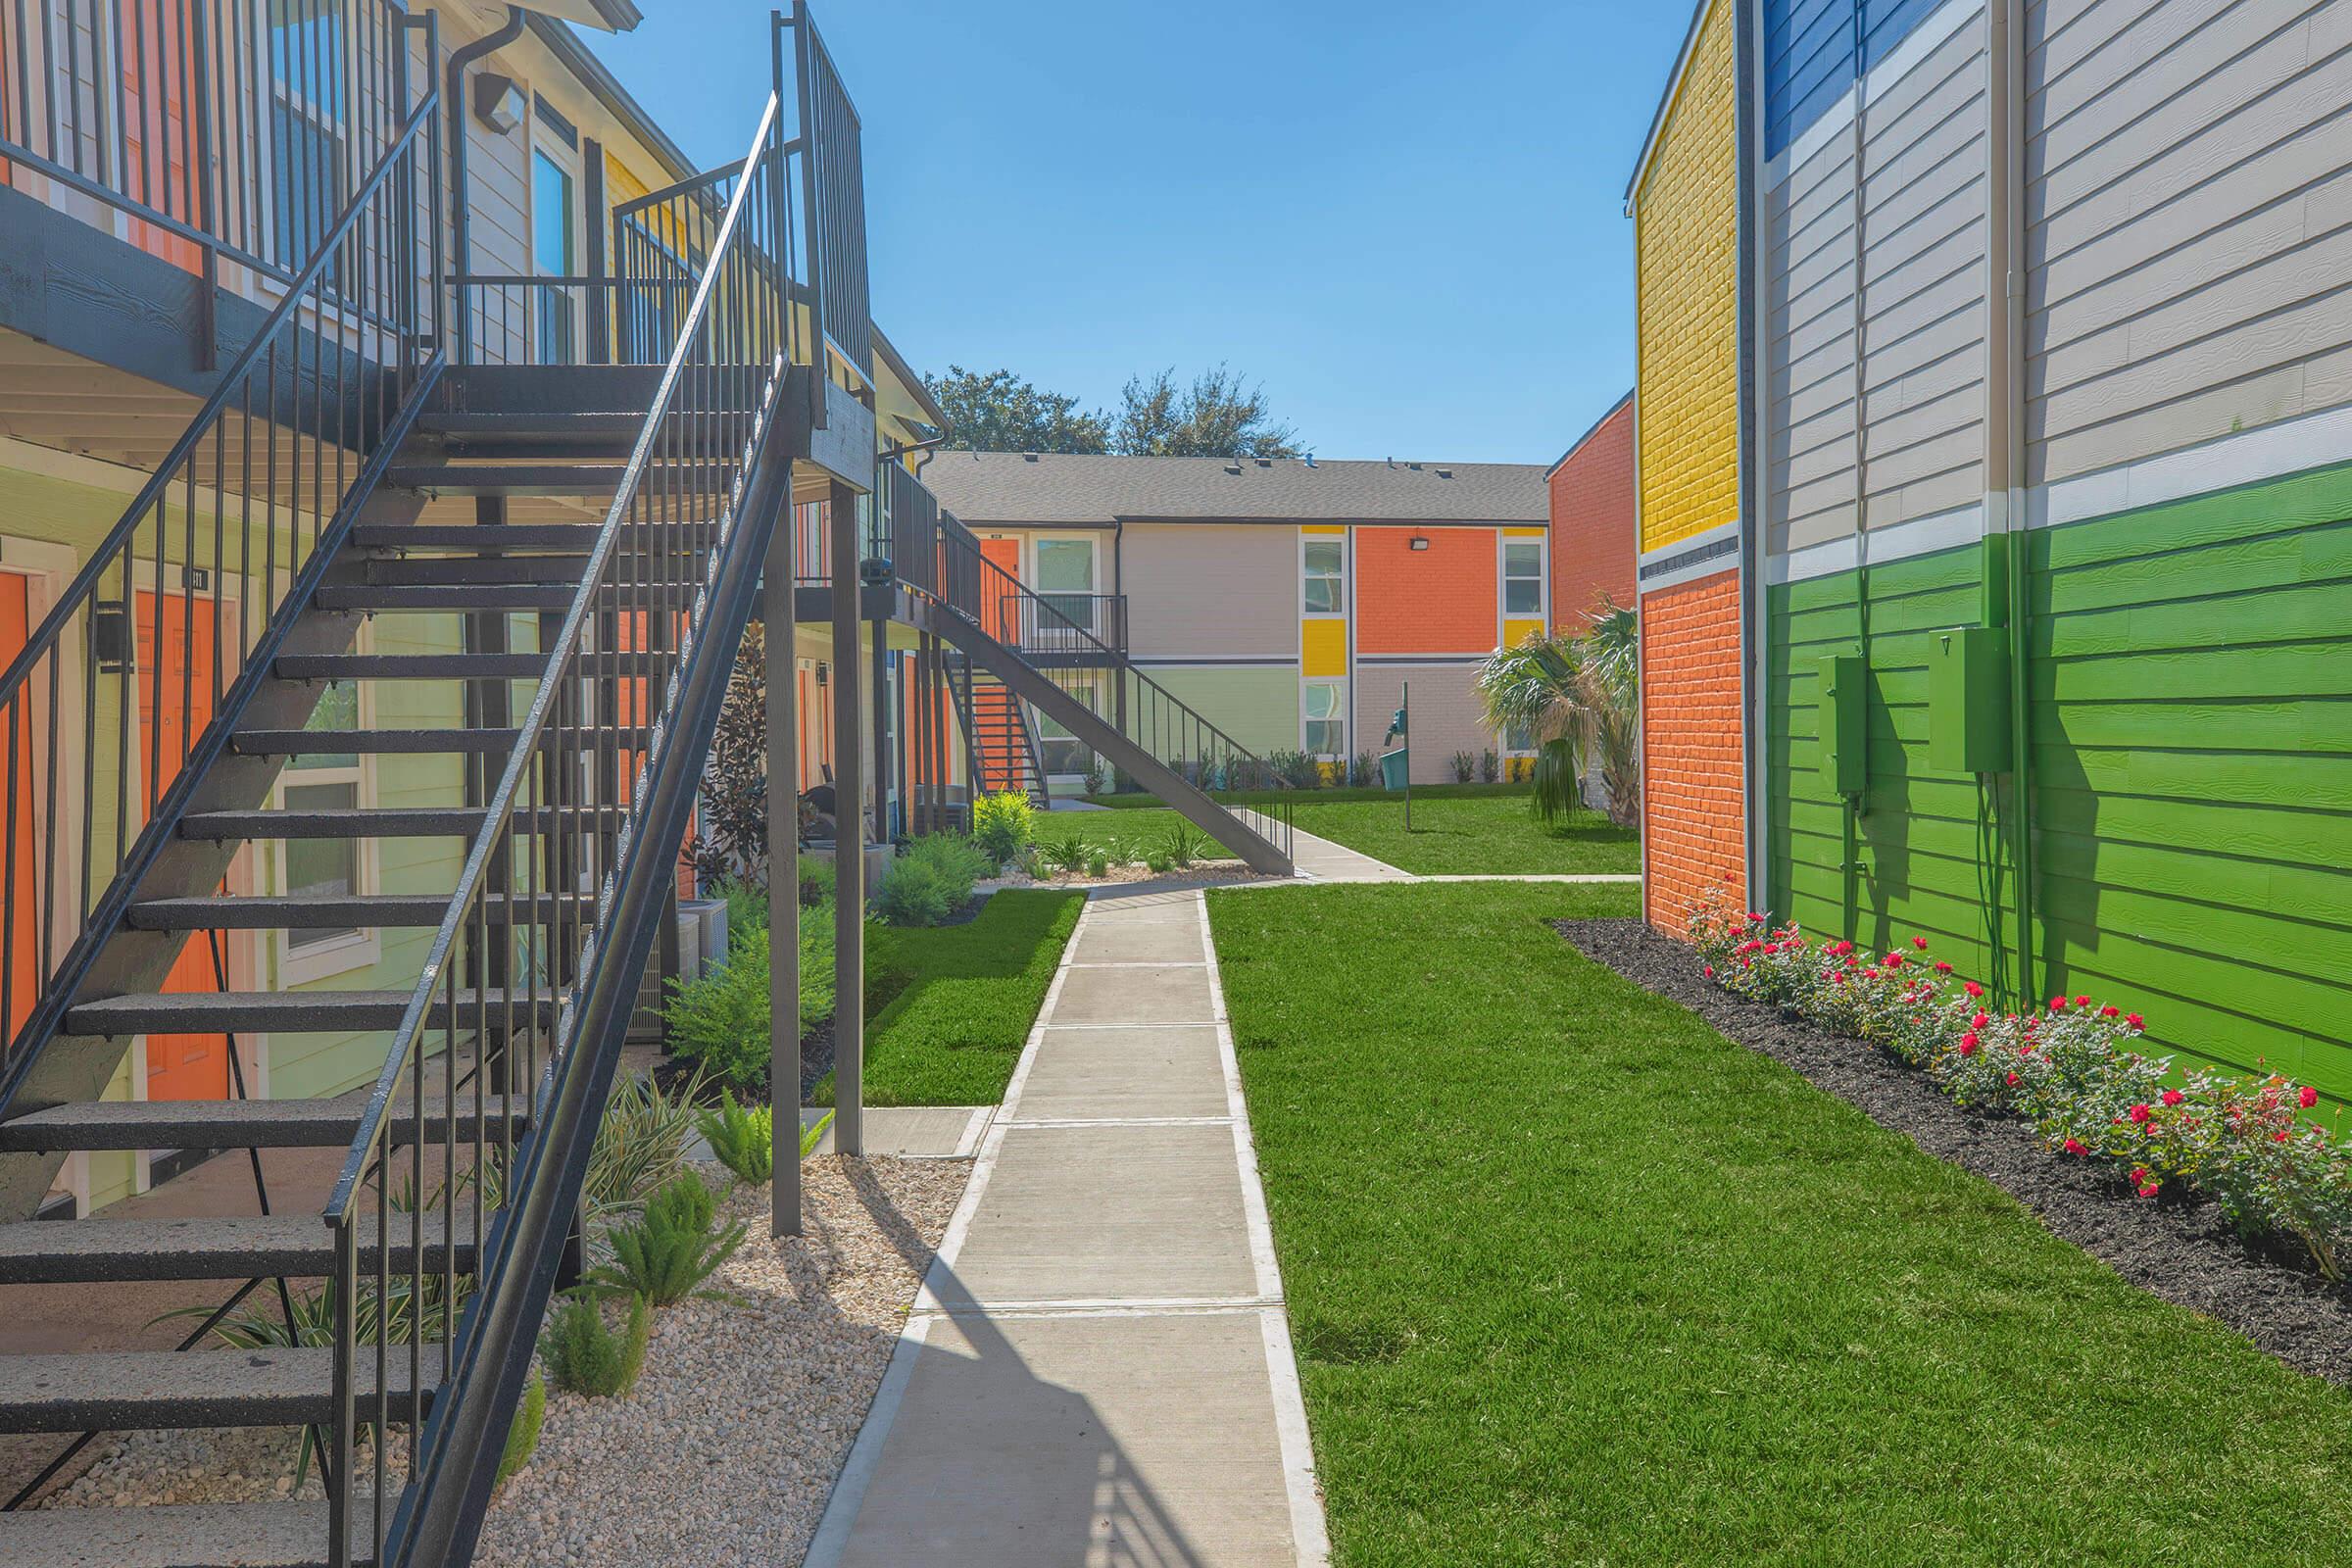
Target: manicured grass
[
  {"x": 1139, "y": 829},
  {"x": 951, "y": 1035},
  {"x": 1575, "y": 1280},
  {"x": 1421, "y": 792},
  {"x": 1471, "y": 836}
]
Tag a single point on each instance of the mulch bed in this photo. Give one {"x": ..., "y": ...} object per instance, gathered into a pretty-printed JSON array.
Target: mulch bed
[{"x": 2183, "y": 1251}]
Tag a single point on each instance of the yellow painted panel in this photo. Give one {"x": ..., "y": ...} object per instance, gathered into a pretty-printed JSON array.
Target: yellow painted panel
[
  {"x": 1323, "y": 647},
  {"x": 621, "y": 186},
  {"x": 1515, "y": 632},
  {"x": 1686, "y": 230},
  {"x": 1525, "y": 533},
  {"x": 1319, "y": 527}
]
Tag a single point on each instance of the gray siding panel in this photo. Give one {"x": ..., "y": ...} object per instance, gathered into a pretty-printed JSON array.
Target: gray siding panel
[{"x": 1204, "y": 589}]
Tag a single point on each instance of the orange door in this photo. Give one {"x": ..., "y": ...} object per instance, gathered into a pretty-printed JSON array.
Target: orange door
[
  {"x": 157, "y": 77},
  {"x": 995, "y": 613},
  {"x": 179, "y": 1067},
  {"x": 24, "y": 935}
]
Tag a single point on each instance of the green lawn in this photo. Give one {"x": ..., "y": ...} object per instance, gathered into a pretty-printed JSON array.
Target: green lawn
[
  {"x": 1421, "y": 792},
  {"x": 1139, "y": 829},
  {"x": 1470, "y": 836},
  {"x": 968, "y": 995},
  {"x": 1575, "y": 1280}
]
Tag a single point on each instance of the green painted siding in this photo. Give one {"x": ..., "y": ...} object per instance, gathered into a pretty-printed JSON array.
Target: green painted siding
[{"x": 2190, "y": 684}]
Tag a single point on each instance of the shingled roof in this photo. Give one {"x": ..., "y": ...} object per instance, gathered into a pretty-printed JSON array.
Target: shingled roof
[{"x": 1010, "y": 488}]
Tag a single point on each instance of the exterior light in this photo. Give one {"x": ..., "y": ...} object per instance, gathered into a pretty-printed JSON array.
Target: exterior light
[
  {"x": 1420, "y": 542},
  {"x": 496, "y": 102}
]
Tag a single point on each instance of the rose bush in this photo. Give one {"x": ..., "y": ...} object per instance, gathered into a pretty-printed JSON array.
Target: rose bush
[{"x": 2069, "y": 1068}]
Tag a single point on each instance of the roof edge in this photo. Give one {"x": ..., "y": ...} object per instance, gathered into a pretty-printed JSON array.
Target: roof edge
[
  {"x": 1665, "y": 110},
  {"x": 575, "y": 56},
  {"x": 1592, "y": 430},
  {"x": 914, "y": 382}
]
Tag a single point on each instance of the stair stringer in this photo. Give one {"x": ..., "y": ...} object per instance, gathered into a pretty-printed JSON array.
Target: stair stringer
[
  {"x": 1034, "y": 687},
  {"x": 68, "y": 1069}
]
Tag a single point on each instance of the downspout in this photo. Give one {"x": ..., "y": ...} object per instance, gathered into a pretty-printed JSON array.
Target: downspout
[
  {"x": 2005, "y": 450},
  {"x": 1754, "y": 544},
  {"x": 461, "y": 208}
]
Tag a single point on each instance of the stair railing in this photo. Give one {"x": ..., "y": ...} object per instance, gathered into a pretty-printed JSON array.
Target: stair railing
[
  {"x": 1106, "y": 679},
  {"x": 206, "y": 571},
  {"x": 555, "y": 914}
]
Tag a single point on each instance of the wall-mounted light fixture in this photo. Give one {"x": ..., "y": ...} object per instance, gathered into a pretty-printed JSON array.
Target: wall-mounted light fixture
[
  {"x": 824, "y": 672},
  {"x": 496, "y": 102},
  {"x": 110, "y": 637},
  {"x": 1420, "y": 540}
]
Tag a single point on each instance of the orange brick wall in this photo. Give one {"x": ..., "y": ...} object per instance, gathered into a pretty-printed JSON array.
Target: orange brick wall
[
  {"x": 1692, "y": 827},
  {"x": 1593, "y": 522},
  {"x": 1435, "y": 600}
]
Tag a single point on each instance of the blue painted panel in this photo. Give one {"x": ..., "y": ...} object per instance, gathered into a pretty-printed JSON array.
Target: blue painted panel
[{"x": 1810, "y": 55}]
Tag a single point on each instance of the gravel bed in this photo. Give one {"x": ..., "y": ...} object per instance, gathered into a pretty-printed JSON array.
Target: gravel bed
[
  {"x": 726, "y": 1450},
  {"x": 1202, "y": 872},
  {"x": 2183, "y": 1251}
]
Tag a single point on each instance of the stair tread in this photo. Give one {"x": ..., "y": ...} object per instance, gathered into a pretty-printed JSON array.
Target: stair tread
[
  {"x": 140, "y": 1012},
  {"x": 110, "y": 1390},
  {"x": 473, "y": 478},
  {"x": 270, "y": 911},
  {"x": 107, "y": 1124},
  {"x": 442, "y": 667},
  {"x": 376, "y": 821},
  {"x": 307, "y": 742},
  {"x": 212, "y": 1534},
  {"x": 291, "y": 1245},
  {"x": 448, "y": 596}
]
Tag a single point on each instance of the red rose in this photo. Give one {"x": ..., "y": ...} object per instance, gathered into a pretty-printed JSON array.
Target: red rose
[
  {"x": 1968, "y": 1044},
  {"x": 2308, "y": 1097},
  {"x": 2131, "y": 1021},
  {"x": 2110, "y": 1012},
  {"x": 1979, "y": 1020},
  {"x": 1921, "y": 942},
  {"x": 2081, "y": 1002},
  {"x": 2141, "y": 1113},
  {"x": 1972, "y": 988},
  {"x": 1942, "y": 967},
  {"x": 2013, "y": 1080},
  {"x": 2057, "y": 1004},
  {"x": 2174, "y": 1096},
  {"x": 2073, "y": 1148}
]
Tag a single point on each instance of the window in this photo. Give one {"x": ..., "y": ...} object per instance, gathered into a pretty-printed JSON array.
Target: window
[
  {"x": 1323, "y": 566},
  {"x": 307, "y": 185},
  {"x": 1324, "y": 727},
  {"x": 1519, "y": 740},
  {"x": 1065, "y": 578},
  {"x": 318, "y": 781},
  {"x": 551, "y": 254},
  {"x": 1522, "y": 577},
  {"x": 1060, "y": 753}
]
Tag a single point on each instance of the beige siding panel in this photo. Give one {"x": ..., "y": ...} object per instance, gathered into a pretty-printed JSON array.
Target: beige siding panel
[
  {"x": 1926, "y": 363},
  {"x": 2079, "y": 49},
  {"x": 2313, "y": 381},
  {"x": 1211, "y": 588},
  {"x": 1446, "y": 713}
]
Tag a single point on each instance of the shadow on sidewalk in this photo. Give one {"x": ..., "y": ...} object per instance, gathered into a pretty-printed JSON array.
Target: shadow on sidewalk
[{"x": 1022, "y": 1472}]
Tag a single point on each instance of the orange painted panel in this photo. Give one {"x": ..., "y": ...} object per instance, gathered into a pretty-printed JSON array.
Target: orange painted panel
[
  {"x": 1693, "y": 827},
  {"x": 23, "y": 892},
  {"x": 1440, "y": 600},
  {"x": 180, "y": 661}
]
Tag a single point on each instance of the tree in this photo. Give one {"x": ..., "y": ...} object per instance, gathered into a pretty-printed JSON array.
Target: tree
[
  {"x": 998, "y": 411},
  {"x": 1578, "y": 696},
  {"x": 1213, "y": 417}
]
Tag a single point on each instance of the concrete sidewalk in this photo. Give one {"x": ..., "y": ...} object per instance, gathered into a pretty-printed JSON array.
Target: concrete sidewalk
[{"x": 1099, "y": 1370}]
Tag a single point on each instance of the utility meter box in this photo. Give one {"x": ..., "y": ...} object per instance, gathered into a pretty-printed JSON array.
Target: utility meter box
[
  {"x": 1968, "y": 700},
  {"x": 1844, "y": 723}
]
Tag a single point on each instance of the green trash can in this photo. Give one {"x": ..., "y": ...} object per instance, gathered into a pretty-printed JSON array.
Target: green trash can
[{"x": 1392, "y": 769}]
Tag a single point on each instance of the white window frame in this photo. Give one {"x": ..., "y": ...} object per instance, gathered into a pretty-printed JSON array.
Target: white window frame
[
  {"x": 1509, "y": 576},
  {"x": 1338, "y": 686},
  {"x": 1036, "y": 576},
  {"x": 567, "y": 159},
  {"x": 1345, "y": 579}
]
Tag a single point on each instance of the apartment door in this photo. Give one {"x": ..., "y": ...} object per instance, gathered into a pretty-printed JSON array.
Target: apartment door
[
  {"x": 998, "y": 617},
  {"x": 23, "y": 892},
  {"x": 176, "y": 667}
]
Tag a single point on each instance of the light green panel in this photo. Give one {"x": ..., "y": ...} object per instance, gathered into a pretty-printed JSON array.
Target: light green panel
[
  {"x": 2189, "y": 726},
  {"x": 1256, "y": 705}
]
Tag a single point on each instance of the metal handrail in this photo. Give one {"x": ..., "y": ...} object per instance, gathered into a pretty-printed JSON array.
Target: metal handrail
[
  {"x": 297, "y": 376},
  {"x": 833, "y": 190},
  {"x": 684, "y": 488}
]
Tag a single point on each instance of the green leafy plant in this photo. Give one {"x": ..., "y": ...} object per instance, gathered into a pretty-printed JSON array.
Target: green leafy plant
[
  {"x": 583, "y": 1355},
  {"x": 1098, "y": 865},
  {"x": 1578, "y": 697},
  {"x": 1002, "y": 824},
  {"x": 743, "y": 1137},
  {"x": 1071, "y": 853},
  {"x": 640, "y": 1145},
  {"x": 1158, "y": 863},
  {"x": 1490, "y": 767},
  {"x": 523, "y": 1437},
  {"x": 1097, "y": 777},
  {"x": 1292, "y": 767},
  {"x": 719, "y": 1021},
  {"x": 1362, "y": 771},
  {"x": 814, "y": 1133},
  {"x": 1183, "y": 844},
  {"x": 913, "y": 894},
  {"x": 1464, "y": 767},
  {"x": 666, "y": 1254}
]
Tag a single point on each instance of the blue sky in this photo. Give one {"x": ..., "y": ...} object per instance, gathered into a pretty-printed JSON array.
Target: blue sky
[{"x": 1406, "y": 221}]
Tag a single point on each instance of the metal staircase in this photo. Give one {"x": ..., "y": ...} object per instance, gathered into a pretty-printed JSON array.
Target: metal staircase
[
  {"x": 598, "y": 532},
  {"x": 1003, "y": 752}
]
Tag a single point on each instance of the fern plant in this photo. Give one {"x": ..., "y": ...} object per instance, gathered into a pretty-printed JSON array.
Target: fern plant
[
  {"x": 666, "y": 1254},
  {"x": 582, "y": 1353},
  {"x": 743, "y": 1137}
]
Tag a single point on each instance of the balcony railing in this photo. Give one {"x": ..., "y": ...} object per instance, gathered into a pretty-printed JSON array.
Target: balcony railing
[{"x": 218, "y": 128}]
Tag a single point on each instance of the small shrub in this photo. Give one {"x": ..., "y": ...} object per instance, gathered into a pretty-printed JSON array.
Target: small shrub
[
  {"x": 913, "y": 893},
  {"x": 959, "y": 863},
  {"x": 1070, "y": 854},
  {"x": 1098, "y": 865},
  {"x": 747, "y": 911},
  {"x": 1295, "y": 768},
  {"x": 1003, "y": 823},
  {"x": 743, "y": 1137},
  {"x": 667, "y": 1253},
  {"x": 719, "y": 1021},
  {"x": 522, "y": 1437},
  {"x": 1490, "y": 767},
  {"x": 1464, "y": 766},
  {"x": 1158, "y": 863},
  {"x": 583, "y": 1355},
  {"x": 1183, "y": 844},
  {"x": 641, "y": 1143},
  {"x": 1363, "y": 772}
]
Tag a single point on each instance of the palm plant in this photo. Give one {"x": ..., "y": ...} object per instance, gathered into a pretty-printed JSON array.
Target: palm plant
[{"x": 1577, "y": 695}]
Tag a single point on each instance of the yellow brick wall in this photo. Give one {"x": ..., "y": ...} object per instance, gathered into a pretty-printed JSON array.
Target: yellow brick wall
[{"x": 1686, "y": 257}]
